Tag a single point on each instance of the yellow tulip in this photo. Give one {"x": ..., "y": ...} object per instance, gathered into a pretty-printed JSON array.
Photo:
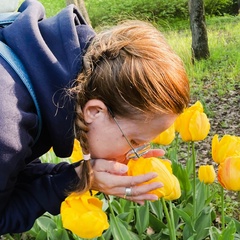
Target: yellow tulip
[
  {"x": 195, "y": 107},
  {"x": 166, "y": 137},
  {"x": 228, "y": 146},
  {"x": 77, "y": 153},
  {"x": 83, "y": 215},
  {"x": 206, "y": 174},
  {"x": 171, "y": 189},
  {"x": 229, "y": 173},
  {"x": 193, "y": 124}
]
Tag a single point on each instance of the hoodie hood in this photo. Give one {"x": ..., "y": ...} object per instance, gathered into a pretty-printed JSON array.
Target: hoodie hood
[{"x": 51, "y": 50}]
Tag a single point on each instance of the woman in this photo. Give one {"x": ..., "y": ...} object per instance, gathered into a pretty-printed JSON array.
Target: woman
[{"x": 113, "y": 91}]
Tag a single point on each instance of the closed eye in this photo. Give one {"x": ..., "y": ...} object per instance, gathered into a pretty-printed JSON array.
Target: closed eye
[{"x": 134, "y": 143}]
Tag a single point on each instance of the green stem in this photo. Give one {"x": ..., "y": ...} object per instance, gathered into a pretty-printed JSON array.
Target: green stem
[
  {"x": 194, "y": 180},
  {"x": 169, "y": 221},
  {"x": 188, "y": 152},
  {"x": 176, "y": 147},
  {"x": 222, "y": 210},
  {"x": 115, "y": 220}
]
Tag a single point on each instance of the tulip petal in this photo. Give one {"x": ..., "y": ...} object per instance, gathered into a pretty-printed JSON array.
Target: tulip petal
[
  {"x": 199, "y": 126},
  {"x": 184, "y": 128},
  {"x": 229, "y": 173},
  {"x": 146, "y": 165},
  {"x": 166, "y": 137}
]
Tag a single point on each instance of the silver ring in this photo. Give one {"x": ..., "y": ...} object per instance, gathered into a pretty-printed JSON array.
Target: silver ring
[{"x": 128, "y": 192}]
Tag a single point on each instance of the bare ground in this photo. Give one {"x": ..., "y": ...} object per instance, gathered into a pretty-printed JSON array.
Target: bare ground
[{"x": 224, "y": 119}]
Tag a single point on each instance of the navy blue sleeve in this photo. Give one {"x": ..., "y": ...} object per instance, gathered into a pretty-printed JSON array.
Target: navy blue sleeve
[
  {"x": 40, "y": 188},
  {"x": 26, "y": 190}
]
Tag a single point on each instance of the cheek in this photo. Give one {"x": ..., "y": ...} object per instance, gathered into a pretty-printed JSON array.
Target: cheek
[
  {"x": 106, "y": 144},
  {"x": 109, "y": 151}
]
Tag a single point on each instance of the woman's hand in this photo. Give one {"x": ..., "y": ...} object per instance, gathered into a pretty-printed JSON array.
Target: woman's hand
[{"x": 110, "y": 178}]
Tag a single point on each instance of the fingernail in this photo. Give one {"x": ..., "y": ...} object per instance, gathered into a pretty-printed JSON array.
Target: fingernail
[
  {"x": 155, "y": 197},
  {"x": 160, "y": 185},
  {"x": 123, "y": 168},
  {"x": 154, "y": 174}
]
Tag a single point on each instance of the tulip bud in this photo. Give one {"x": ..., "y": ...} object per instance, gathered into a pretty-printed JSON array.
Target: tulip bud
[
  {"x": 206, "y": 174},
  {"x": 193, "y": 124}
]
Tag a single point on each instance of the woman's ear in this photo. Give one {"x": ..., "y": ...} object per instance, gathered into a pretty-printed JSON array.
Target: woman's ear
[{"x": 93, "y": 109}]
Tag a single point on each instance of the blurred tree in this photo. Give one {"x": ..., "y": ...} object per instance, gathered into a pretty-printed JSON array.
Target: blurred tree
[
  {"x": 236, "y": 7},
  {"x": 82, "y": 8},
  {"x": 200, "y": 49}
]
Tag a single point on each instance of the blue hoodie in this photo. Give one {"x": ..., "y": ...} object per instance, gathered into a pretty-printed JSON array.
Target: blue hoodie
[{"x": 51, "y": 51}]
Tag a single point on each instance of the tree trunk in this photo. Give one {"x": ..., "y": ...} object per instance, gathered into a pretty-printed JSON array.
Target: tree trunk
[
  {"x": 82, "y": 8},
  {"x": 200, "y": 48}
]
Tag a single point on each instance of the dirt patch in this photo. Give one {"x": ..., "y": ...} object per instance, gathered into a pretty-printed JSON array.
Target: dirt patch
[{"x": 224, "y": 119}]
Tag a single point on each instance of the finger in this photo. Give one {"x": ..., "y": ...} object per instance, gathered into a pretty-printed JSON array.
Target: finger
[
  {"x": 114, "y": 184},
  {"x": 127, "y": 181},
  {"x": 141, "y": 199},
  {"x": 154, "y": 153},
  {"x": 112, "y": 167},
  {"x": 139, "y": 191},
  {"x": 136, "y": 192}
]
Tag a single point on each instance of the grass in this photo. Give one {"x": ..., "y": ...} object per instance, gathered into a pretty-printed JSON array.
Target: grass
[
  {"x": 53, "y": 6},
  {"x": 219, "y": 73}
]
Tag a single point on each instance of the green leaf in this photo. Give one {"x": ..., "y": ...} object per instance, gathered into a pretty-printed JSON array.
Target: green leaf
[
  {"x": 107, "y": 235},
  {"x": 119, "y": 230},
  {"x": 200, "y": 197},
  {"x": 157, "y": 236},
  {"x": 189, "y": 166},
  {"x": 118, "y": 208},
  {"x": 46, "y": 223},
  {"x": 192, "y": 237},
  {"x": 41, "y": 235},
  {"x": 156, "y": 208},
  {"x": 58, "y": 234},
  {"x": 229, "y": 231},
  {"x": 214, "y": 233},
  {"x": 155, "y": 223},
  {"x": 187, "y": 219},
  {"x": 237, "y": 223},
  {"x": 188, "y": 229},
  {"x": 142, "y": 218},
  {"x": 203, "y": 223},
  {"x": 188, "y": 232},
  {"x": 181, "y": 173}
]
